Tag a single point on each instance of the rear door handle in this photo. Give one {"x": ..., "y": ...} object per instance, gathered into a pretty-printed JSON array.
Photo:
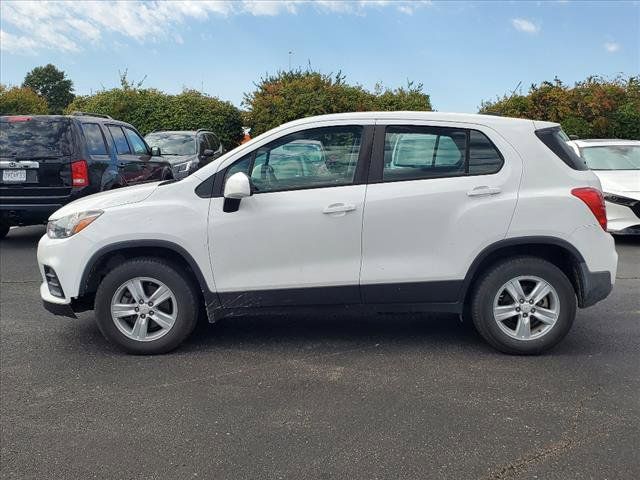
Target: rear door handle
[
  {"x": 483, "y": 191},
  {"x": 339, "y": 208}
]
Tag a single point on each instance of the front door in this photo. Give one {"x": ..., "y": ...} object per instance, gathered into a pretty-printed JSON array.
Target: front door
[{"x": 297, "y": 239}]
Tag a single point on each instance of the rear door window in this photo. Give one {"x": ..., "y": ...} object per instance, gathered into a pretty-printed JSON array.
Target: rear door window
[
  {"x": 120, "y": 141},
  {"x": 423, "y": 152},
  {"x": 95, "y": 140},
  {"x": 32, "y": 137}
]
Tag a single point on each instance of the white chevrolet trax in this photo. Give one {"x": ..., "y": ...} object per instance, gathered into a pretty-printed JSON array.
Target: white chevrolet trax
[{"x": 496, "y": 219}]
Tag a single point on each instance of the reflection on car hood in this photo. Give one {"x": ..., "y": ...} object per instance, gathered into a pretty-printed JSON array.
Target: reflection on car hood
[
  {"x": 622, "y": 181},
  {"x": 112, "y": 198},
  {"x": 176, "y": 159}
]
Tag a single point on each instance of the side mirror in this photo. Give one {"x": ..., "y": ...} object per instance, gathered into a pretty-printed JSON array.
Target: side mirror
[
  {"x": 574, "y": 137},
  {"x": 208, "y": 153},
  {"x": 155, "y": 152},
  {"x": 238, "y": 186}
]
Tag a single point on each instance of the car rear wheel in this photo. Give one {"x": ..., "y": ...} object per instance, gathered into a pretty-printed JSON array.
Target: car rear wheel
[
  {"x": 146, "y": 306},
  {"x": 524, "y": 305}
]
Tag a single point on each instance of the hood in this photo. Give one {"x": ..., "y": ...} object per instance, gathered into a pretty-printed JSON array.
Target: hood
[
  {"x": 176, "y": 159},
  {"x": 620, "y": 181},
  {"x": 112, "y": 198}
]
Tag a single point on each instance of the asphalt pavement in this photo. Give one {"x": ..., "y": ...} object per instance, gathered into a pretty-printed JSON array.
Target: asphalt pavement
[{"x": 377, "y": 397}]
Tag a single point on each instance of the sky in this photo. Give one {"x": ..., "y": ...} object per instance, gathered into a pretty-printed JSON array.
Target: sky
[{"x": 462, "y": 52}]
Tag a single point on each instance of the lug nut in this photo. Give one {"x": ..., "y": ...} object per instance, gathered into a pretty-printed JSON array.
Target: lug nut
[
  {"x": 142, "y": 316},
  {"x": 141, "y": 302},
  {"x": 522, "y": 300},
  {"x": 524, "y": 315},
  {"x": 517, "y": 309},
  {"x": 531, "y": 302},
  {"x": 137, "y": 309},
  {"x": 151, "y": 304},
  {"x": 151, "y": 312},
  {"x": 533, "y": 310}
]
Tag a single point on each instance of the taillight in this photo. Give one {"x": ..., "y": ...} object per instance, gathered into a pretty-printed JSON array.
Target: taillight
[
  {"x": 79, "y": 173},
  {"x": 18, "y": 118},
  {"x": 595, "y": 201}
]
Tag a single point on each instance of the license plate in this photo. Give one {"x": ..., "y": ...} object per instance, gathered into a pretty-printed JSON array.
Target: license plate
[{"x": 17, "y": 175}]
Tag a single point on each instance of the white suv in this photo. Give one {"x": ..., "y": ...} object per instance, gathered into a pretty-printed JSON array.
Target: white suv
[{"x": 496, "y": 219}]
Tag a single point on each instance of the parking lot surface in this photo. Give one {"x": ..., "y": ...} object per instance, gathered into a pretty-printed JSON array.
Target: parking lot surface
[{"x": 385, "y": 396}]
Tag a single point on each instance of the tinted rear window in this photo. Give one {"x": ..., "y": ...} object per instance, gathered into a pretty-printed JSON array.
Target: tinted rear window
[
  {"x": 556, "y": 140},
  {"x": 36, "y": 138},
  {"x": 95, "y": 140}
]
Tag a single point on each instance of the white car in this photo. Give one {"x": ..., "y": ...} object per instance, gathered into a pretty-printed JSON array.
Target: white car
[
  {"x": 492, "y": 218},
  {"x": 617, "y": 165}
]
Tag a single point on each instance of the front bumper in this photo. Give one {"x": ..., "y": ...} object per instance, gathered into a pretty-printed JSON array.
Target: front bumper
[{"x": 622, "y": 219}]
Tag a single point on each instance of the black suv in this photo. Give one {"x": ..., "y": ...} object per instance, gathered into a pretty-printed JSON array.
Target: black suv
[
  {"x": 187, "y": 150},
  {"x": 47, "y": 161}
]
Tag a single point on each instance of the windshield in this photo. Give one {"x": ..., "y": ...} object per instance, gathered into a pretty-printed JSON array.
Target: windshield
[
  {"x": 35, "y": 138},
  {"x": 173, "y": 143},
  {"x": 613, "y": 157}
]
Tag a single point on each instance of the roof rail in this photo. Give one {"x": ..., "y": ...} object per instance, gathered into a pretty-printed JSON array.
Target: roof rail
[{"x": 90, "y": 114}]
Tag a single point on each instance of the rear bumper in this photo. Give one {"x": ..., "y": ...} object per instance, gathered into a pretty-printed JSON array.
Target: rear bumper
[
  {"x": 21, "y": 214},
  {"x": 595, "y": 286}
]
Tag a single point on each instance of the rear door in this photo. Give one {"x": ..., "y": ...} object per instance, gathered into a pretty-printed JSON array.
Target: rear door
[
  {"x": 35, "y": 156},
  {"x": 437, "y": 196},
  {"x": 129, "y": 166}
]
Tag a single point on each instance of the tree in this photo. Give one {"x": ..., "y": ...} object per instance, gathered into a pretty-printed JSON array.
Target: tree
[
  {"x": 21, "y": 101},
  {"x": 149, "y": 109},
  {"x": 50, "y": 83},
  {"x": 594, "y": 107},
  {"x": 289, "y": 95}
]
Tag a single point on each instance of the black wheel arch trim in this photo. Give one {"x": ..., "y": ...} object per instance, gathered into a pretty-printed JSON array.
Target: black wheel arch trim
[
  {"x": 521, "y": 241},
  {"x": 211, "y": 298}
]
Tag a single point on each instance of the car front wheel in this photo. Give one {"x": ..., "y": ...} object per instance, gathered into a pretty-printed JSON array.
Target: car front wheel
[
  {"x": 146, "y": 306},
  {"x": 524, "y": 305}
]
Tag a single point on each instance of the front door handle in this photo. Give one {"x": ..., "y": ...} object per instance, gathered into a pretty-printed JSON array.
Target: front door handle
[
  {"x": 339, "y": 208},
  {"x": 483, "y": 191}
]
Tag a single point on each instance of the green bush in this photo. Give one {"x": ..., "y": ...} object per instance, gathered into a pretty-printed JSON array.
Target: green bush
[
  {"x": 150, "y": 109},
  {"x": 290, "y": 95},
  {"x": 596, "y": 107},
  {"x": 21, "y": 101}
]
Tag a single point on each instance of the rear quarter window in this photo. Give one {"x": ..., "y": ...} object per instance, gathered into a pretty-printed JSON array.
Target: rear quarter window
[
  {"x": 556, "y": 141},
  {"x": 95, "y": 140}
]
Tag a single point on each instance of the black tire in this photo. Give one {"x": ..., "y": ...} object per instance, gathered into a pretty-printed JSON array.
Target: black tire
[
  {"x": 4, "y": 229},
  {"x": 496, "y": 276},
  {"x": 167, "y": 273}
]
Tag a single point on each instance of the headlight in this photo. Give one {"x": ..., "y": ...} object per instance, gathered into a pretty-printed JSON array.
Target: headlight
[
  {"x": 182, "y": 167},
  {"x": 71, "y": 224}
]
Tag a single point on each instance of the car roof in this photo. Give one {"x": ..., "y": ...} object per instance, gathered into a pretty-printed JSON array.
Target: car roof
[
  {"x": 187, "y": 132},
  {"x": 80, "y": 118},
  {"x": 477, "y": 118},
  {"x": 604, "y": 142}
]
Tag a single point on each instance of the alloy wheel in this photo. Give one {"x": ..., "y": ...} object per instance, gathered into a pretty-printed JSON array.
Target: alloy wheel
[
  {"x": 144, "y": 309},
  {"x": 526, "y": 307}
]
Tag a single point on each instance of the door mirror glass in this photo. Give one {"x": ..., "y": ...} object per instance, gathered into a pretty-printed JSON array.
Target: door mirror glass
[
  {"x": 237, "y": 186},
  {"x": 208, "y": 153},
  {"x": 155, "y": 152}
]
